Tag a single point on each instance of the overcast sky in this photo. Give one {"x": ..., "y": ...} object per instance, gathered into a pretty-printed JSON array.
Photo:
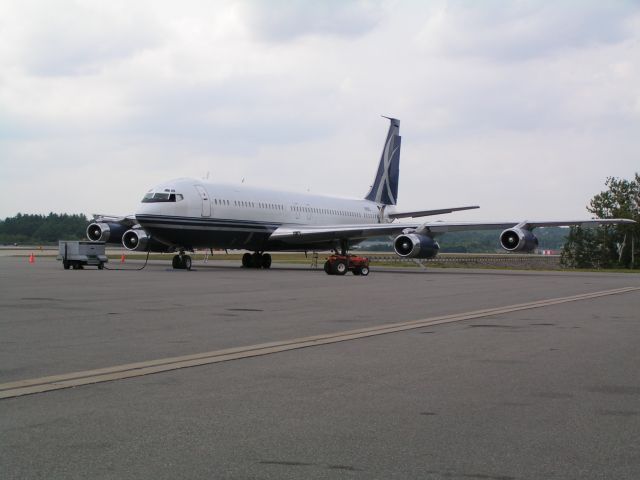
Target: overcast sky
[{"x": 522, "y": 107}]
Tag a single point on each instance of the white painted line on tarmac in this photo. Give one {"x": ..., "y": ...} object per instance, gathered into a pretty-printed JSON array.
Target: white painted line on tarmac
[{"x": 119, "y": 372}]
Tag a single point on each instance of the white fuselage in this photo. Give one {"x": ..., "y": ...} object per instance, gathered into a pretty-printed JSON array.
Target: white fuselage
[{"x": 193, "y": 213}]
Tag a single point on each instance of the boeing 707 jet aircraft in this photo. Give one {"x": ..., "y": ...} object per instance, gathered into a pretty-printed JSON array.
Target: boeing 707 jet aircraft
[{"x": 184, "y": 214}]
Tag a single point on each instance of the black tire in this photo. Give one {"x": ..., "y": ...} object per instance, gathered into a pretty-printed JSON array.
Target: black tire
[
  {"x": 340, "y": 268},
  {"x": 364, "y": 271},
  {"x": 176, "y": 262},
  {"x": 75, "y": 266},
  {"x": 266, "y": 260},
  {"x": 100, "y": 266},
  {"x": 327, "y": 268},
  {"x": 65, "y": 264},
  {"x": 246, "y": 260},
  {"x": 256, "y": 260},
  {"x": 186, "y": 262}
]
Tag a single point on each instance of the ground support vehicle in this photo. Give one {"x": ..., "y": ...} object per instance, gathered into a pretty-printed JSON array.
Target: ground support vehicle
[
  {"x": 341, "y": 264},
  {"x": 77, "y": 254}
]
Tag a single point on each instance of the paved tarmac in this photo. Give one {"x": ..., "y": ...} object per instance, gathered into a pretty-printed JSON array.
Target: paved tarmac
[{"x": 552, "y": 392}]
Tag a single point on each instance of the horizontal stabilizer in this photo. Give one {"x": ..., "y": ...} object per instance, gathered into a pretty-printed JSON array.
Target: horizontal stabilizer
[{"x": 427, "y": 213}]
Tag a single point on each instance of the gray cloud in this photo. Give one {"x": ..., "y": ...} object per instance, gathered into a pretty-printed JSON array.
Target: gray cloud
[
  {"x": 73, "y": 38},
  {"x": 520, "y": 31},
  {"x": 284, "y": 20},
  {"x": 286, "y": 96}
]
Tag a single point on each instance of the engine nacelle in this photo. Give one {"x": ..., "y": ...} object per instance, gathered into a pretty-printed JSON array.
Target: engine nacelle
[
  {"x": 413, "y": 245},
  {"x": 135, "y": 240},
  {"x": 105, "y": 232},
  {"x": 518, "y": 240}
]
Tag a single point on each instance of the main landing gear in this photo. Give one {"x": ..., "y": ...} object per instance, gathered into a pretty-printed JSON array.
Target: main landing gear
[
  {"x": 256, "y": 260},
  {"x": 181, "y": 261}
]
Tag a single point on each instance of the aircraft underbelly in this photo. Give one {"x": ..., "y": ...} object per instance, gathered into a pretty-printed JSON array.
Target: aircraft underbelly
[
  {"x": 207, "y": 233},
  {"x": 194, "y": 232}
]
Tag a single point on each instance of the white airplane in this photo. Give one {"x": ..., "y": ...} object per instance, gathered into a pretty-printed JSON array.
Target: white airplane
[{"x": 184, "y": 214}]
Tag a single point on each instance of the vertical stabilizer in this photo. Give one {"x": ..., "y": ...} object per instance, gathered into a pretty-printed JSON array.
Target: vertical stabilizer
[{"x": 385, "y": 185}]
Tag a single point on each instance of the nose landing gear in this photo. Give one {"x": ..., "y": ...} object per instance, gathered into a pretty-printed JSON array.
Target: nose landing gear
[{"x": 256, "y": 260}]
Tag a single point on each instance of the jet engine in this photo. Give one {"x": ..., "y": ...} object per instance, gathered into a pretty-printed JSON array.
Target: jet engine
[
  {"x": 105, "y": 232},
  {"x": 413, "y": 245},
  {"x": 135, "y": 239},
  {"x": 518, "y": 240}
]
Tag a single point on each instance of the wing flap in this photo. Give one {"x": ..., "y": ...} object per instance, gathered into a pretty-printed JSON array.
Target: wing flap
[{"x": 310, "y": 234}]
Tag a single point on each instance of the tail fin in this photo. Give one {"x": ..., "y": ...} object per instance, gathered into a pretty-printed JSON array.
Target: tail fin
[{"x": 385, "y": 186}]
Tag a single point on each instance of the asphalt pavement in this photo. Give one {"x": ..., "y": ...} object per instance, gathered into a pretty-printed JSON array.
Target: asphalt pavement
[{"x": 548, "y": 392}]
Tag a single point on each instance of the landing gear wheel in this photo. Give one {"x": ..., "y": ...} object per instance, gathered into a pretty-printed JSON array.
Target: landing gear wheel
[
  {"x": 327, "y": 268},
  {"x": 246, "y": 260},
  {"x": 266, "y": 260},
  {"x": 364, "y": 271},
  {"x": 186, "y": 262},
  {"x": 66, "y": 264},
  {"x": 340, "y": 268},
  {"x": 176, "y": 262},
  {"x": 100, "y": 266},
  {"x": 256, "y": 260}
]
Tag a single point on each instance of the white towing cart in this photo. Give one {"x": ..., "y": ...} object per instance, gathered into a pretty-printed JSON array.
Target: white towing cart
[{"x": 76, "y": 254}]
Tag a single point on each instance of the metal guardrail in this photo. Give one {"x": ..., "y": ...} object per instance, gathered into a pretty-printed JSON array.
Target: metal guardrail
[{"x": 546, "y": 261}]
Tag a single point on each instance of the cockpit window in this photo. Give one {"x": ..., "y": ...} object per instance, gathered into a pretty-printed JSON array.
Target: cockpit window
[{"x": 157, "y": 197}]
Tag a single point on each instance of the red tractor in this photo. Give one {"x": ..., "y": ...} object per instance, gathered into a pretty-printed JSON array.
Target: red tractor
[{"x": 341, "y": 264}]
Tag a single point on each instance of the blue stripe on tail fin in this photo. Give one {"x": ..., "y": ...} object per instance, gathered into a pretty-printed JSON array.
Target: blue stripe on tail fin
[{"x": 385, "y": 186}]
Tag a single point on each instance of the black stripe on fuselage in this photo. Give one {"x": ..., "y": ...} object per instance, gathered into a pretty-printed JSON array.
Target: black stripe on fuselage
[
  {"x": 204, "y": 223},
  {"x": 190, "y": 232}
]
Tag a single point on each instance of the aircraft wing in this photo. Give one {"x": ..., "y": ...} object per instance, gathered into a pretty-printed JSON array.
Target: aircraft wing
[
  {"x": 320, "y": 233},
  {"x": 444, "y": 227},
  {"x": 311, "y": 233},
  {"x": 127, "y": 221}
]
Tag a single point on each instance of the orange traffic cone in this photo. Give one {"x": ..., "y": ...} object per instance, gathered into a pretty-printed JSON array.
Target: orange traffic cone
[
  {"x": 122, "y": 258},
  {"x": 32, "y": 258}
]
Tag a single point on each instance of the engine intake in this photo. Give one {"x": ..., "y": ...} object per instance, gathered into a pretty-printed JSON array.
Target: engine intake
[
  {"x": 105, "y": 232},
  {"x": 135, "y": 240},
  {"x": 413, "y": 245},
  {"x": 518, "y": 240}
]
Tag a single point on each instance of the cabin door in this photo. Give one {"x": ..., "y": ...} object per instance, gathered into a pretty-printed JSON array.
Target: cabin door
[{"x": 206, "y": 203}]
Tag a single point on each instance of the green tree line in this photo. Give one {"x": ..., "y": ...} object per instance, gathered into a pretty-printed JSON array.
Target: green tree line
[
  {"x": 30, "y": 228},
  {"x": 616, "y": 246}
]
